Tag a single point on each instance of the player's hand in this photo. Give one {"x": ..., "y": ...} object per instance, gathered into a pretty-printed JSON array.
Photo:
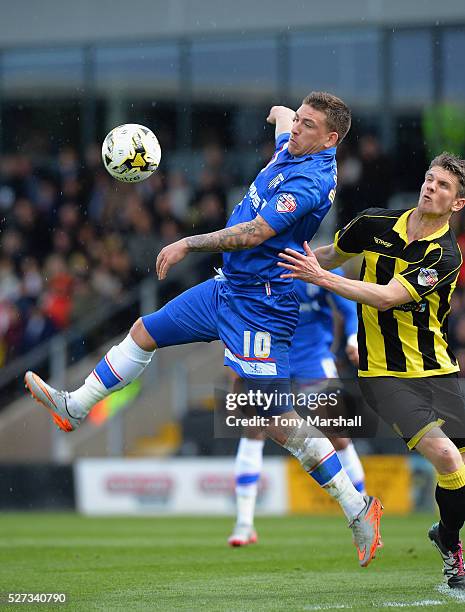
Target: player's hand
[
  {"x": 352, "y": 354},
  {"x": 304, "y": 267},
  {"x": 169, "y": 256},
  {"x": 279, "y": 112}
]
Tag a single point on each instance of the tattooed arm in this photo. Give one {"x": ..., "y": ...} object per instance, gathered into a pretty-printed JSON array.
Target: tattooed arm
[
  {"x": 238, "y": 237},
  {"x": 235, "y": 238}
]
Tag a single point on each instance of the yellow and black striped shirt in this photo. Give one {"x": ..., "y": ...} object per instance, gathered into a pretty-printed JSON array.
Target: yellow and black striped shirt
[{"x": 410, "y": 340}]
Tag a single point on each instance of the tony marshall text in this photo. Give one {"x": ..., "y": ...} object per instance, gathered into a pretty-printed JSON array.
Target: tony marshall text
[{"x": 316, "y": 421}]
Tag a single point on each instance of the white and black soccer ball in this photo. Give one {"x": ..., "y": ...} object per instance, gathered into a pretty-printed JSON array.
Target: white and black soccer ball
[{"x": 131, "y": 153}]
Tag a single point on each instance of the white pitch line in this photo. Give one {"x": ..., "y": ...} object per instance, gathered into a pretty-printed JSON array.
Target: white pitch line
[
  {"x": 385, "y": 604},
  {"x": 456, "y": 594},
  {"x": 413, "y": 604},
  {"x": 329, "y": 607}
]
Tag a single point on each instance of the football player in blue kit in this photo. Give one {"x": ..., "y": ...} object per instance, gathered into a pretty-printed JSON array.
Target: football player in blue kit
[
  {"x": 311, "y": 356},
  {"x": 254, "y": 311},
  {"x": 311, "y": 363}
]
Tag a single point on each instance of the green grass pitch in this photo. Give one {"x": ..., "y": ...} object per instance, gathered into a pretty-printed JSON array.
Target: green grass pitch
[{"x": 174, "y": 564}]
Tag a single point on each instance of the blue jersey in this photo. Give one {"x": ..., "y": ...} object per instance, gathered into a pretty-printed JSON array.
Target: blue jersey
[
  {"x": 314, "y": 333},
  {"x": 249, "y": 307},
  {"x": 292, "y": 194}
]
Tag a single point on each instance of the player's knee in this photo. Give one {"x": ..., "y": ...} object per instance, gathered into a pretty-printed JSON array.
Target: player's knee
[
  {"x": 449, "y": 459},
  {"x": 142, "y": 337},
  {"x": 442, "y": 453}
]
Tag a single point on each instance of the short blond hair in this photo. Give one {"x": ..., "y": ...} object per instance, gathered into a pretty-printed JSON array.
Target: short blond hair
[
  {"x": 338, "y": 115},
  {"x": 454, "y": 165}
]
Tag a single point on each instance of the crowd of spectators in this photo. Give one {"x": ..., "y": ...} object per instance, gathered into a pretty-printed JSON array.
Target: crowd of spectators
[{"x": 74, "y": 239}]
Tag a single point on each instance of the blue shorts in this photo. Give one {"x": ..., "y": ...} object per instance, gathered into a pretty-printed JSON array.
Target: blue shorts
[
  {"x": 255, "y": 328},
  {"x": 324, "y": 366}
]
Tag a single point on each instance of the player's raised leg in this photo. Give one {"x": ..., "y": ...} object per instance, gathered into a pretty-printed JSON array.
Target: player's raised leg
[
  {"x": 126, "y": 361},
  {"x": 122, "y": 364}
]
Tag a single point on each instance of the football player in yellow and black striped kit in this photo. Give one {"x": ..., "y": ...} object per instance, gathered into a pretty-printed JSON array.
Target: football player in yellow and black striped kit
[{"x": 407, "y": 372}]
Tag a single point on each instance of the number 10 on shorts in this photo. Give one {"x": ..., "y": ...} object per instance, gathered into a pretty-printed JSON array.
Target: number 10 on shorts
[{"x": 261, "y": 344}]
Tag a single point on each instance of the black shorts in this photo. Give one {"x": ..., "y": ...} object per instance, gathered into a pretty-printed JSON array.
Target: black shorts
[
  {"x": 414, "y": 406},
  {"x": 338, "y": 406}
]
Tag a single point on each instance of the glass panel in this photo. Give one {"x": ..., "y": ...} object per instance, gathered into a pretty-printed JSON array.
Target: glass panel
[
  {"x": 43, "y": 72},
  {"x": 36, "y": 127},
  {"x": 411, "y": 157},
  {"x": 452, "y": 61},
  {"x": 229, "y": 70},
  {"x": 147, "y": 69},
  {"x": 412, "y": 67},
  {"x": 346, "y": 63}
]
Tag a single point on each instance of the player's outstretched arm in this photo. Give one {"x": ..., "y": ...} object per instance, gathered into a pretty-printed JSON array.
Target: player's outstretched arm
[
  {"x": 282, "y": 117},
  {"x": 307, "y": 268},
  {"x": 238, "y": 237}
]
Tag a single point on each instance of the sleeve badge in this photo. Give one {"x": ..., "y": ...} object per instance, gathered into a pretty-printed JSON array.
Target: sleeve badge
[
  {"x": 427, "y": 277},
  {"x": 286, "y": 203}
]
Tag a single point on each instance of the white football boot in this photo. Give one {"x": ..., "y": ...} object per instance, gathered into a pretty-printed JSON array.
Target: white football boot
[
  {"x": 243, "y": 535},
  {"x": 56, "y": 402}
]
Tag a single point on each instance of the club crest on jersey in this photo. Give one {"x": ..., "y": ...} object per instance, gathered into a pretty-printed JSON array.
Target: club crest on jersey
[
  {"x": 427, "y": 277},
  {"x": 286, "y": 203}
]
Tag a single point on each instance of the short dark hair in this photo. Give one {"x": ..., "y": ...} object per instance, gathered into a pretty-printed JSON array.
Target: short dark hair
[
  {"x": 338, "y": 115},
  {"x": 455, "y": 166}
]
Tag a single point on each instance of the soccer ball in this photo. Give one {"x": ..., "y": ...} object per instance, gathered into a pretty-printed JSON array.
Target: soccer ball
[{"x": 131, "y": 153}]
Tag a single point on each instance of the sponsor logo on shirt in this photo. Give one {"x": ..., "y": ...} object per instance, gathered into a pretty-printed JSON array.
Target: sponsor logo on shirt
[
  {"x": 382, "y": 242},
  {"x": 427, "y": 277},
  {"x": 411, "y": 307},
  {"x": 286, "y": 203},
  {"x": 257, "y": 201},
  {"x": 275, "y": 181}
]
